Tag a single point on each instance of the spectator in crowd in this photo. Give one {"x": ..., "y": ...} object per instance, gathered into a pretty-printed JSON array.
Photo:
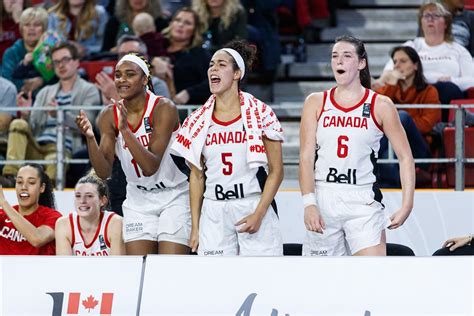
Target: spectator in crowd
[
  {"x": 144, "y": 27},
  {"x": 28, "y": 228},
  {"x": 312, "y": 16},
  {"x": 33, "y": 24},
  {"x": 125, "y": 11},
  {"x": 222, "y": 21},
  {"x": 139, "y": 129},
  {"x": 185, "y": 61},
  {"x": 33, "y": 136},
  {"x": 10, "y": 12},
  {"x": 463, "y": 23},
  {"x": 171, "y": 6},
  {"x": 8, "y": 93},
  {"x": 227, "y": 221},
  {"x": 82, "y": 22},
  {"x": 458, "y": 246},
  {"x": 90, "y": 230},
  {"x": 406, "y": 85},
  {"x": 446, "y": 64},
  {"x": 263, "y": 30}
]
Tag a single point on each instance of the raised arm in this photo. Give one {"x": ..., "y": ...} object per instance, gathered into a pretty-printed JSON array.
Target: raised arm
[
  {"x": 63, "y": 236},
  {"x": 114, "y": 232},
  {"x": 309, "y": 123},
  {"x": 101, "y": 156},
  {"x": 387, "y": 115},
  {"x": 36, "y": 236},
  {"x": 196, "y": 191},
  {"x": 165, "y": 120}
]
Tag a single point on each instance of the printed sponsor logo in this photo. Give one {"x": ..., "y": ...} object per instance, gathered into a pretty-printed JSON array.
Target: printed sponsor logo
[
  {"x": 349, "y": 178},
  {"x": 236, "y": 193}
]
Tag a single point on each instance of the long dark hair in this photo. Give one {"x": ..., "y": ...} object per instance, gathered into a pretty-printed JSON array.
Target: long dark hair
[
  {"x": 419, "y": 80},
  {"x": 364, "y": 74},
  {"x": 47, "y": 197}
]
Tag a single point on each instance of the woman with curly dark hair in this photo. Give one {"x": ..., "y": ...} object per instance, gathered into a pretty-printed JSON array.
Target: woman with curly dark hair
[
  {"x": 230, "y": 143},
  {"x": 28, "y": 228}
]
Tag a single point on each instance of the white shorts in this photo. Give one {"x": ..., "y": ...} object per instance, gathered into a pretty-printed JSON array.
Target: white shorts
[
  {"x": 218, "y": 235},
  {"x": 354, "y": 221},
  {"x": 169, "y": 221}
]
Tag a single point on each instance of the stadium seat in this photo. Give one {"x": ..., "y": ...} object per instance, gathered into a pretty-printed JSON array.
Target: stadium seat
[
  {"x": 468, "y": 4},
  {"x": 92, "y": 68},
  {"x": 399, "y": 250},
  {"x": 292, "y": 249},
  {"x": 449, "y": 147}
]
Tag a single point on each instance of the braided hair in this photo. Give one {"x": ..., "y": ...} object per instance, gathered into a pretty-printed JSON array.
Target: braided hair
[{"x": 147, "y": 63}]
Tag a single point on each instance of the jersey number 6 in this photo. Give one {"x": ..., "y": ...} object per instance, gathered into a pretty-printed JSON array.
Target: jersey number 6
[
  {"x": 342, "y": 148},
  {"x": 227, "y": 170}
]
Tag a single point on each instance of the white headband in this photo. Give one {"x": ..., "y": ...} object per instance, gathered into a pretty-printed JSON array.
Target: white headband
[
  {"x": 238, "y": 59},
  {"x": 136, "y": 60}
]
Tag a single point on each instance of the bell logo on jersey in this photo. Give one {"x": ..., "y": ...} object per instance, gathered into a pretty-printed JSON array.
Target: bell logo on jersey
[
  {"x": 236, "y": 193},
  {"x": 158, "y": 187},
  {"x": 349, "y": 178},
  {"x": 88, "y": 304}
]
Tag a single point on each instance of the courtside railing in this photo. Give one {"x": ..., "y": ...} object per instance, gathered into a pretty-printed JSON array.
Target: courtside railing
[{"x": 289, "y": 110}]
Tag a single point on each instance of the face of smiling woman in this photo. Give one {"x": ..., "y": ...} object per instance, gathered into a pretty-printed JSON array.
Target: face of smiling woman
[
  {"x": 130, "y": 80},
  {"x": 28, "y": 187}
]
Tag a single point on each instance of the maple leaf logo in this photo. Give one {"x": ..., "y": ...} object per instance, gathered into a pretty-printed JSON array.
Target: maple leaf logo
[{"x": 90, "y": 303}]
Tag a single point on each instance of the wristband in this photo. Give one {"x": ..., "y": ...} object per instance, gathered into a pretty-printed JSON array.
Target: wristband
[{"x": 309, "y": 199}]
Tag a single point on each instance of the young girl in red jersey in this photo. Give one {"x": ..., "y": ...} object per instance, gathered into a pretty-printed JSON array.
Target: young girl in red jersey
[
  {"x": 340, "y": 138},
  {"x": 90, "y": 231},
  {"x": 28, "y": 228}
]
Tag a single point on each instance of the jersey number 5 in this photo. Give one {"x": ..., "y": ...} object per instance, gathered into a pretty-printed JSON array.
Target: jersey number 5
[
  {"x": 342, "y": 148},
  {"x": 227, "y": 170}
]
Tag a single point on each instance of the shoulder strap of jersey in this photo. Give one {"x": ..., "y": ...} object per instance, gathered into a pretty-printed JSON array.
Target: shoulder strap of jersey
[{"x": 73, "y": 230}]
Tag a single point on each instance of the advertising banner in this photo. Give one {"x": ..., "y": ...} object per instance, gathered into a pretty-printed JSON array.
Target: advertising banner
[
  {"x": 290, "y": 286},
  {"x": 56, "y": 286}
]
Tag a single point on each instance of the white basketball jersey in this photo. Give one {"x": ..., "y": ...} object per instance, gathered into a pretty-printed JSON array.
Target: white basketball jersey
[
  {"x": 172, "y": 172},
  {"x": 100, "y": 245},
  {"x": 348, "y": 141},
  {"x": 228, "y": 175}
]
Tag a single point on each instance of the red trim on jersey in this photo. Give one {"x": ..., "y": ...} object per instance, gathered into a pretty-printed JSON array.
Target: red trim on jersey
[
  {"x": 217, "y": 121},
  {"x": 96, "y": 232},
  {"x": 116, "y": 119},
  {"x": 153, "y": 109},
  {"x": 372, "y": 111},
  {"x": 71, "y": 222},
  {"x": 107, "y": 242},
  {"x": 337, "y": 106},
  {"x": 318, "y": 116},
  {"x": 177, "y": 128},
  {"x": 134, "y": 130}
]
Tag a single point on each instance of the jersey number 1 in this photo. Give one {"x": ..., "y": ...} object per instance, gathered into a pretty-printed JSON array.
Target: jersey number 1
[
  {"x": 342, "y": 148},
  {"x": 227, "y": 170}
]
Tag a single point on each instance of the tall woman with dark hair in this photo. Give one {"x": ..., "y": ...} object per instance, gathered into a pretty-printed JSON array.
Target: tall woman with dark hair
[
  {"x": 28, "y": 228},
  {"x": 339, "y": 137},
  {"x": 406, "y": 85},
  {"x": 139, "y": 129}
]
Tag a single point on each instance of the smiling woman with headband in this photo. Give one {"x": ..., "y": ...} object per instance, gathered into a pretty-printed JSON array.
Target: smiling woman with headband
[
  {"x": 139, "y": 129},
  {"x": 230, "y": 142}
]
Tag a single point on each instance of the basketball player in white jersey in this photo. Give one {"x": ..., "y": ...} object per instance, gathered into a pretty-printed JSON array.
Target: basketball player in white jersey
[
  {"x": 343, "y": 210},
  {"x": 90, "y": 230},
  {"x": 138, "y": 129},
  {"x": 232, "y": 206}
]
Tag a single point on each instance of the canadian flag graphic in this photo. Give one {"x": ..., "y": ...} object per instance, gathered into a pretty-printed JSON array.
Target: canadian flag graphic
[{"x": 82, "y": 303}]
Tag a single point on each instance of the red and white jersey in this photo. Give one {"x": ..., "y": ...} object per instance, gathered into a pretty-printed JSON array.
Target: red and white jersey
[
  {"x": 348, "y": 141},
  {"x": 172, "y": 172},
  {"x": 100, "y": 245},
  {"x": 228, "y": 175}
]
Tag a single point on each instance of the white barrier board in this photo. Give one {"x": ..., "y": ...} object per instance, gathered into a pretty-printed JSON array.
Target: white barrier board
[
  {"x": 437, "y": 216},
  {"x": 55, "y": 286},
  {"x": 307, "y": 286}
]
